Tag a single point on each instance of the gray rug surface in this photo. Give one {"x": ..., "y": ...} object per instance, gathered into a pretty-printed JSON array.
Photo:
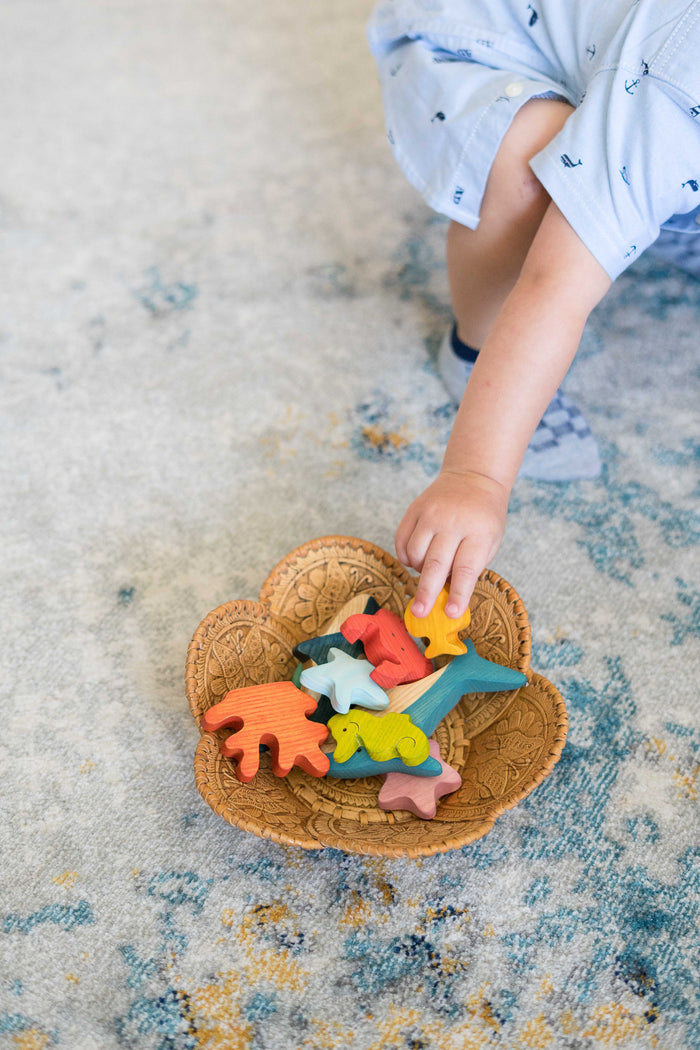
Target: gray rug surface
[{"x": 219, "y": 313}]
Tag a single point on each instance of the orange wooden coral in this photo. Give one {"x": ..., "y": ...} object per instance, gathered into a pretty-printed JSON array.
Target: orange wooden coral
[
  {"x": 389, "y": 646},
  {"x": 272, "y": 714}
]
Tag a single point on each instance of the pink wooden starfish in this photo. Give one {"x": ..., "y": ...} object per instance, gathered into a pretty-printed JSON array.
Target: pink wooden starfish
[{"x": 419, "y": 794}]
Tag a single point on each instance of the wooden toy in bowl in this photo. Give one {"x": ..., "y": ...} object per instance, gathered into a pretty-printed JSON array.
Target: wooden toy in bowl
[{"x": 501, "y": 743}]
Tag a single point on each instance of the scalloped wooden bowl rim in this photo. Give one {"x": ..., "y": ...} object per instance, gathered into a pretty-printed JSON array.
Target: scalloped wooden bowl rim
[{"x": 207, "y": 755}]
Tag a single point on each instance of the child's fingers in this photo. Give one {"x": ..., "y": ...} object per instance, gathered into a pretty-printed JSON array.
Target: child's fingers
[
  {"x": 436, "y": 568},
  {"x": 466, "y": 569},
  {"x": 403, "y": 535},
  {"x": 418, "y": 546}
]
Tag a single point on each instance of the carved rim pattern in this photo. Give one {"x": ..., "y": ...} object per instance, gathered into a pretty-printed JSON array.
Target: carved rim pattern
[
  {"x": 519, "y": 735},
  {"x": 308, "y": 586}
]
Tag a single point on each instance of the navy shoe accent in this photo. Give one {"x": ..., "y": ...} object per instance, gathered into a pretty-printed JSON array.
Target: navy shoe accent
[
  {"x": 562, "y": 448},
  {"x": 462, "y": 350}
]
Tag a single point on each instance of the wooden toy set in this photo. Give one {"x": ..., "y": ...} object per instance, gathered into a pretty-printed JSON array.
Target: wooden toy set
[{"x": 332, "y": 716}]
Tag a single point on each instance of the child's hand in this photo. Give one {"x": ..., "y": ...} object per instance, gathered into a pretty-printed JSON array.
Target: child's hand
[{"x": 454, "y": 527}]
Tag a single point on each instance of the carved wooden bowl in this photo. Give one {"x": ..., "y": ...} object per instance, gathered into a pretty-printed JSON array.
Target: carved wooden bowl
[{"x": 503, "y": 744}]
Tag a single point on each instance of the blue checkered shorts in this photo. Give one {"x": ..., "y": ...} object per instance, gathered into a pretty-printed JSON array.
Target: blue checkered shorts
[{"x": 627, "y": 161}]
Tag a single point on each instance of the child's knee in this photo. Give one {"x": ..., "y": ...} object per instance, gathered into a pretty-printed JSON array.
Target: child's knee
[
  {"x": 529, "y": 193},
  {"x": 512, "y": 188},
  {"x": 534, "y": 125}
]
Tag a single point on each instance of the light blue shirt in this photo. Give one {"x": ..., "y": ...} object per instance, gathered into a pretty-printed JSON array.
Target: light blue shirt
[{"x": 626, "y": 162}]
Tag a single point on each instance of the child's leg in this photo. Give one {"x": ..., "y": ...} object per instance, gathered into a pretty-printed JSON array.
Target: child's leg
[{"x": 484, "y": 264}]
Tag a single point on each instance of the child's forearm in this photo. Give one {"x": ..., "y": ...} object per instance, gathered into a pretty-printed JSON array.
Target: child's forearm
[
  {"x": 456, "y": 525},
  {"x": 519, "y": 369},
  {"x": 527, "y": 354}
]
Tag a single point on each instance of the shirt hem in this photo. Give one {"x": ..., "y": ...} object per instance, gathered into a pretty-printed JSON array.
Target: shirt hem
[{"x": 610, "y": 253}]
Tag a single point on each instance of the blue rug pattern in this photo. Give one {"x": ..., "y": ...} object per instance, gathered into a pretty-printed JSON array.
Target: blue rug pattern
[{"x": 221, "y": 307}]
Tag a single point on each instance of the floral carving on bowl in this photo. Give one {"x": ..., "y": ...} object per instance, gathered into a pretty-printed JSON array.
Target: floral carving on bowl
[{"x": 503, "y": 744}]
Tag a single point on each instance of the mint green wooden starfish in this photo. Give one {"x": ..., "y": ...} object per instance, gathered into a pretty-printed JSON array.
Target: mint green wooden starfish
[{"x": 345, "y": 681}]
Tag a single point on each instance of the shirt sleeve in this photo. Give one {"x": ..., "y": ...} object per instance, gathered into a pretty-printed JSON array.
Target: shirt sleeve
[{"x": 626, "y": 161}]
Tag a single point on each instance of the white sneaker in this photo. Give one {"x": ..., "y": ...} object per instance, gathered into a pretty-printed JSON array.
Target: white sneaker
[{"x": 454, "y": 371}]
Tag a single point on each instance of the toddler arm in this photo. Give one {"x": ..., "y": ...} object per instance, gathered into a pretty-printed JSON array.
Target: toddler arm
[{"x": 456, "y": 526}]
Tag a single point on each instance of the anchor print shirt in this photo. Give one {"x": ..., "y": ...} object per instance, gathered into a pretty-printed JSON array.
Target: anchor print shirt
[{"x": 627, "y": 161}]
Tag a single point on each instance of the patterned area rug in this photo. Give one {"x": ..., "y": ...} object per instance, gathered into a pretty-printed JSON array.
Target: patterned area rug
[{"x": 220, "y": 310}]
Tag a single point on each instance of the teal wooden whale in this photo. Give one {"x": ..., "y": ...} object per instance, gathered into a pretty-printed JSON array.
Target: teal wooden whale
[{"x": 468, "y": 673}]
